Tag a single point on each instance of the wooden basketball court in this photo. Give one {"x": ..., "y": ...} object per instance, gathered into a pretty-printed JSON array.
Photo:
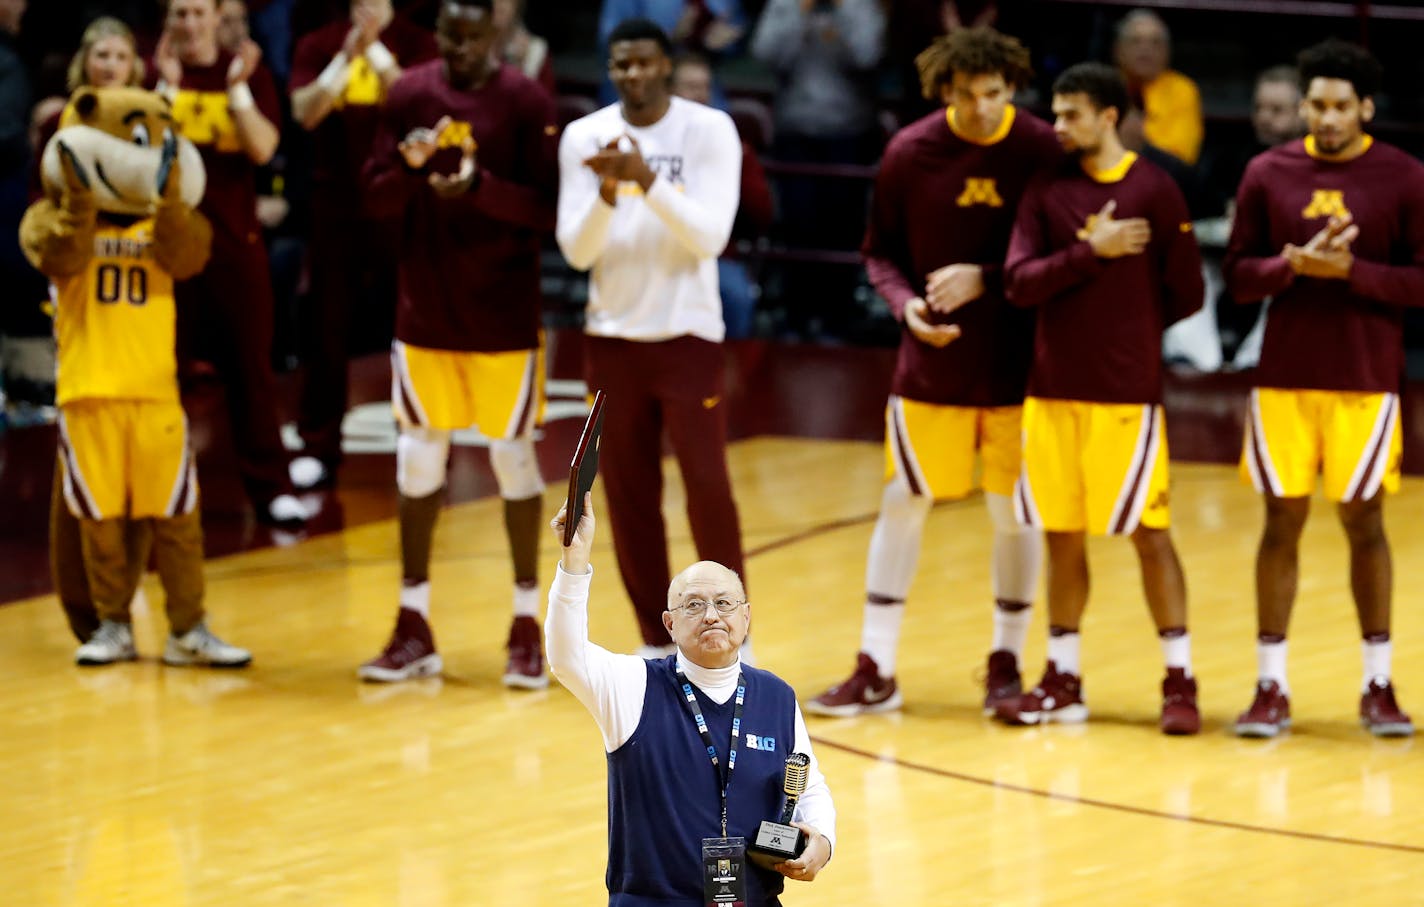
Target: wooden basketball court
[{"x": 292, "y": 784}]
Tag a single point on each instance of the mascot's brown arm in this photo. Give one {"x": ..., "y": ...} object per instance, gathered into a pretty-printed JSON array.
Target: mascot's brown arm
[
  {"x": 182, "y": 236},
  {"x": 58, "y": 239}
]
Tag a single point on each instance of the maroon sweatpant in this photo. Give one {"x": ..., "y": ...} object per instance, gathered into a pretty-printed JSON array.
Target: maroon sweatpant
[
  {"x": 225, "y": 317},
  {"x": 674, "y": 385}
]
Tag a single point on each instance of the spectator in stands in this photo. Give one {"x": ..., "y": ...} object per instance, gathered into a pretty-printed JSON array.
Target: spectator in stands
[
  {"x": 825, "y": 53},
  {"x": 227, "y": 105},
  {"x": 232, "y": 25},
  {"x": 692, "y": 79},
  {"x": 1170, "y": 100},
  {"x": 1275, "y": 120},
  {"x": 516, "y": 46},
  {"x": 340, "y": 77}
]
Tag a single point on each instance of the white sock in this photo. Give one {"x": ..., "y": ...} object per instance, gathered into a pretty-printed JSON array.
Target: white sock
[
  {"x": 417, "y": 598},
  {"x": 1177, "y": 651},
  {"x": 1377, "y": 657},
  {"x": 1271, "y": 663},
  {"x": 1063, "y": 652},
  {"x": 880, "y": 634},
  {"x": 1018, "y": 552},
  {"x": 1010, "y": 630},
  {"x": 526, "y": 601},
  {"x": 895, "y": 544}
]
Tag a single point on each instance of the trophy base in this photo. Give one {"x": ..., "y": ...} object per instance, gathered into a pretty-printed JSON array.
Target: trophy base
[{"x": 776, "y": 843}]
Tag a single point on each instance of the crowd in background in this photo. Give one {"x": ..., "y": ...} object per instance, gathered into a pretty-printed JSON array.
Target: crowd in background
[{"x": 815, "y": 86}]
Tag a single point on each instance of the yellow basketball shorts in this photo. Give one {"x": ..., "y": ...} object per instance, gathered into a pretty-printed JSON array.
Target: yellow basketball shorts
[
  {"x": 933, "y": 447},
  {"x": 1099, "y": 468},
  {"x": 501, "y": 394},
  {"x": 126, "y": 458},
  {"x": 1350, "y": 437}
]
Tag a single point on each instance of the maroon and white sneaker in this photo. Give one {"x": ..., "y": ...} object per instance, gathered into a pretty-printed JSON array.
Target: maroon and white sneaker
[
  {"x": 1002, "y": 681},
  {"x": 410, "y": 653},
  {"x": 1381, "y": 714},
  {"x": 1179, "y": 703},
  {"x": 864, "y": 691},
  {"x": 1269, "y": 713},
  {"x": 1057, "y": 698},
  {"x": 525, "y": 668}
]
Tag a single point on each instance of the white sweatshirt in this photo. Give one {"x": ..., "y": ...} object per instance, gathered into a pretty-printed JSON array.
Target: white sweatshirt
[
  {"x": 612, "y": 687},
  {"x": 653, "y": 255}
]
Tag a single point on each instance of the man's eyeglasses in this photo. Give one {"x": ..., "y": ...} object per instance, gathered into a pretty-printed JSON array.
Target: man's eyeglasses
[{"x": 695, "y": 608}]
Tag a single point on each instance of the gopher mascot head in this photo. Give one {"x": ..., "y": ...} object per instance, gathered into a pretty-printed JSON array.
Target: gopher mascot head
[
  {"x": 117, "y": 157},
  {"x": 122, "y": 141}
]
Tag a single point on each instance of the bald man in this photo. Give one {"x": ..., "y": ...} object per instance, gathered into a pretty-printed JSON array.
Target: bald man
[
  {"x": 661, "y": 718},
  {"x": 1170, "y": 100}
]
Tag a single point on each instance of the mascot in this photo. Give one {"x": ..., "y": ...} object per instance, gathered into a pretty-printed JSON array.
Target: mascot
[{"x": 116, "y": 227}]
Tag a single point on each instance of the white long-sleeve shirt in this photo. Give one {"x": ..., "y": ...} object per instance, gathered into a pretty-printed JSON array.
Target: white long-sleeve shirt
[
  {"x": 612, "y": 688},
  {"x": 654, "y": 254}
]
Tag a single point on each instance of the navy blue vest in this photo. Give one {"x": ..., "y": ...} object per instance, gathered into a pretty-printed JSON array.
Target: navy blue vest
[{"x": 664, "y": 798}]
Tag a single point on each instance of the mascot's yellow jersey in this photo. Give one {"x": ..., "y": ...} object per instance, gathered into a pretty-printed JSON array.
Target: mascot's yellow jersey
[{"x": 115, "y": 321}]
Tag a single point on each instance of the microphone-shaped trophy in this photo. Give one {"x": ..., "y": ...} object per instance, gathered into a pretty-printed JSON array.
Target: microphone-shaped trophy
[{"x": 779, "y": 841}]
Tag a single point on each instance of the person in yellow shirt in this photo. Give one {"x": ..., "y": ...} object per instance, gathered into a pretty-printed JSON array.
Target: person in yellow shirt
[
  {"x": 1170, "y": 99},
  {"x": 112, "y": 248}
]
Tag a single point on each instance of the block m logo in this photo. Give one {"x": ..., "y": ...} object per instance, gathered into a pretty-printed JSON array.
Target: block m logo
[
  {"x": 1325, "y": 203},
  {"x": 979, "y": 191}
]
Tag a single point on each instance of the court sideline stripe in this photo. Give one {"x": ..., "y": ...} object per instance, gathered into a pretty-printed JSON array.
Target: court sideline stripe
[{"x": 1116, "y": 807}]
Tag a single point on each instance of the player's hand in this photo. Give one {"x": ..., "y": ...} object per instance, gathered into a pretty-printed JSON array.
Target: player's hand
[
  {"x": 1113, "y": 238},
  {"x": 244, "y": 64},
  {"x": 365, "y": 29},
  {"x": 917, "y": 319},
  {"x": 720, "y": 34},
  {"x": 1326, "y": 263},
  {"x": 576, "y": 555},
  {"x": 464, "y": 178},
  {"x": 170, "y": 175},
  {"x": 165, "y": 60},
  {"x": 1338, "y": 233},
  {"x": 812, "y": 860},
  {"x": 952, "y": 286},
  {"x": 420, "y": 144},
  {"x": 615, "y": 162}
]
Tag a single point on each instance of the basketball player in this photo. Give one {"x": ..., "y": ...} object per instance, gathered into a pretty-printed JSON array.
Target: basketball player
[
  {"x": 1103, "y": 248},
  {"x": 466, "y": 158},
  {"x": 1332, "y": 229},
  {"x": 647, "y": 194},
  {"x": 944, "y": 205},
  {"x": 227, "y": 105},
  {"x": 340, "y": 76}
]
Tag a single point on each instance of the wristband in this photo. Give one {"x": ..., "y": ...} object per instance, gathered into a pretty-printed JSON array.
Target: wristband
[
  {"x": 381, "y": 58},
  {"x": 239, "y": 97},
  {"x": 332, "y": 80},
  {"x": 165, "y": 90}
]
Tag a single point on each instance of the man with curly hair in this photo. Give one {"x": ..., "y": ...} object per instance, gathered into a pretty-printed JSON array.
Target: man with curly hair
[{"x": 939, "y": 226}]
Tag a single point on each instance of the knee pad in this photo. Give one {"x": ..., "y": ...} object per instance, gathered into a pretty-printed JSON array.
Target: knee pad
[
  {"x": 421, "y": 455},
  {"x": 516, "y": 469}
]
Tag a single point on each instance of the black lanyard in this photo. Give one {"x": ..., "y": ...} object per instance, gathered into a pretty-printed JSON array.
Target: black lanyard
[{"x": 723, "y": 778}]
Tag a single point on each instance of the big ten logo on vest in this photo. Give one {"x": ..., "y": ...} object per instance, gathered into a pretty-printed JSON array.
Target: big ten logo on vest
[
  {"x": 453, "y": 135},
  {"x": 363, "y": 86},
  {"x": 204, "y": 119},
  {"x": 1325, "y": 203},
  {"x": 979, "y": 191},
  {"x": 765, "y": 744}
]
